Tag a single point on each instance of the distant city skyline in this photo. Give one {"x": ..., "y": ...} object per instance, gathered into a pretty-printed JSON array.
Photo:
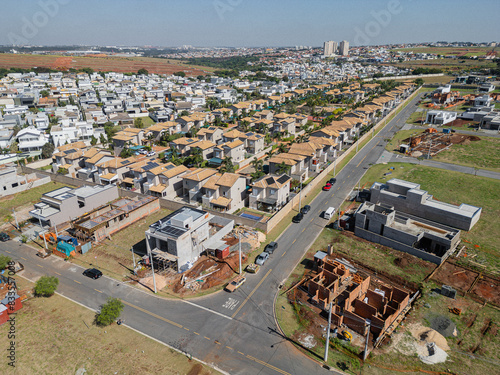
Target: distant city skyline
[{"x": 244, "y": 23}]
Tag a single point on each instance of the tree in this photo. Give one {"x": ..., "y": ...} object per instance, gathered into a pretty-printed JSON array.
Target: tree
[
  {"x": 180, "y": 74},
  {"x": 110, "y": 311},
  {"x": 4, "y": 261},
  {"x": 269, "y": 154},
  {"x": 227, "y": 165},
  {"x": 46, "y": 286},
  {"x": 138, "y": 123},
  {"x": 126, "y": 153},
  {"x": 258, "y": 165},
  {"x": 44, "y": 93},
  {"x": 103, "y": 139},
  {"x": 47, "y": 150},
  {"x": 419, "y": 81},
  {"x": 93, "y": 140},
  {"x": 142, "y": 71},
  {"x": 282, "y": 168},
  {"x": 282, "y": 148},
  {"x": 184, "y": 113}
]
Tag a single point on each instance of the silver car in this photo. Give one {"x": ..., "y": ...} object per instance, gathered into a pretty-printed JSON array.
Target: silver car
[{"x": 261, "y": 259}]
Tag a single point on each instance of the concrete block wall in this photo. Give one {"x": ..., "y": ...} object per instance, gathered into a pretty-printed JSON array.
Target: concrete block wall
[{"x": 399, "y": 246}]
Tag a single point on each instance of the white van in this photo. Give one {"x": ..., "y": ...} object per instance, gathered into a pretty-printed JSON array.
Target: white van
[{"x": 329, "y": 213}]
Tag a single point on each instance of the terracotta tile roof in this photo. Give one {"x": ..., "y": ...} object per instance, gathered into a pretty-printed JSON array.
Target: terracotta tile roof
[
  {"x": 204, "y": 145},
  {"x": 221, "y": 201},
  {"x": 211, "y": 183},
  {"x": 228, "y": 179},
  {"x": 199, "y": 174},
  {"x": 175, "y": 171},
  {"x": 233, "y": 144}
]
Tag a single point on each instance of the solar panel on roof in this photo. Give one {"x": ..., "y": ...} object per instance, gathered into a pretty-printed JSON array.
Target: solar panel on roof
[
  {"x": 270, "y": 180},
  {"x": 249, "y": 134},
  {"x": 283, "y": 179},
  {"x": 150, "y": 165}
]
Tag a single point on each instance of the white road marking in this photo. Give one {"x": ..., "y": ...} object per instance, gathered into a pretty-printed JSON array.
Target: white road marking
[{"x": 231, "y": 303}]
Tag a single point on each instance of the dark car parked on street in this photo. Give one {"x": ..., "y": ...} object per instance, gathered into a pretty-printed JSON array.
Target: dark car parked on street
[
  {"x": 270, "y": 247},
  {"x": 304, "y": 210},
  {"x": 93, "y": 273}
]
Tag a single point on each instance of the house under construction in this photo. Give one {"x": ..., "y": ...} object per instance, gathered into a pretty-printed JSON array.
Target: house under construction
[
  {"x": 107, "y": 219},
  {"x": 354, "y": 302}
]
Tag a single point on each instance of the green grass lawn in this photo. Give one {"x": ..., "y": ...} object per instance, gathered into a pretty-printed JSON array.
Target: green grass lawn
[
  {"x": 483, "y": 154},
  {"x": 456, "y": 188},
  {"x": 26, "y": 197},
  {"x": 147, "y": 121},
  {"x": 415, "y": 118},
  {"x": 56, "y": 336}
]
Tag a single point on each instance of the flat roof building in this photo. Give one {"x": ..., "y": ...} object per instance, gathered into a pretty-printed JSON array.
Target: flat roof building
[
  {"x": 184, "y": 234},
  {"x": 64, "y": 204}
]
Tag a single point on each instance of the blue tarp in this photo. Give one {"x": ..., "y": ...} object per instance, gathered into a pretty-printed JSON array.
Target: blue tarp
[{"x": 65, "y": 248}]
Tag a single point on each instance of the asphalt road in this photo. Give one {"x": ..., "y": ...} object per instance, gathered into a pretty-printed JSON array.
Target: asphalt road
[
  {"x": 393, "y": 158},
  {"x": 235, "y": 332}
]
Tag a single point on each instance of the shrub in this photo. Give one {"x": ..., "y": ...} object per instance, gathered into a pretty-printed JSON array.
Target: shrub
[
  {"x": 4, "y": 261},
  {"x": 46, "y": 286},
  {"x": 110, "y": 311}
]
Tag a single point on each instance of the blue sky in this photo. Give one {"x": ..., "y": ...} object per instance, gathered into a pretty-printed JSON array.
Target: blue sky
[{"x": 245, "y": 22}]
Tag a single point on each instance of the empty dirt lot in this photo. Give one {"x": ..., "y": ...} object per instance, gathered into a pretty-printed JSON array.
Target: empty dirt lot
[{"x": 102, "y": 63}]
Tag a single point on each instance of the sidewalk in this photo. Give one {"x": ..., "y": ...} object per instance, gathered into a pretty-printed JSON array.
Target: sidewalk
[{"x": 389, "y": 157}]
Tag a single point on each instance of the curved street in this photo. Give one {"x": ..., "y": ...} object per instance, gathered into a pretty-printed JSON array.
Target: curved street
[{"x": 236, "y": 332}]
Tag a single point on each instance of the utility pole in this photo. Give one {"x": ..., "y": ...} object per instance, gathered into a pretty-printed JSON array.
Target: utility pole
[
  {"x": 153, "y": 269},
  {"x": 239, "y": 238},
  {"x": 429, "y": 153},
  {"x": 43, "y": 233},
  {"x": 15, "y": 218},
  {"x": 334, "y": 165},
  {"x": 365, "y": 353},
  {"x": 300, "y": 194},
  {"x": 133, "y": 257},
  {"x": 327, "y": 344},
  {"x": 55, "y": 228}
]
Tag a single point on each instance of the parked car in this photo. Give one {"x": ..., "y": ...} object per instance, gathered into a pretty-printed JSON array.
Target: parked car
[
  {"x": 331, "y": 181},
  {"x": 93, "y": 273},
  {"x": 304, "y": 210},
  {"x": 143, "y": 152},
  {"x": 270, "y": 247},
  {"x": 328, "y": 186},
  {"x": 235, "y": 284},
  {"x": 252, "y": 268},
  {"x": 298, "y": 218},
  {"x": 151, "y": 153},
  {"x": 4, "y": 237},
  {"x": 261, "y": 259}
]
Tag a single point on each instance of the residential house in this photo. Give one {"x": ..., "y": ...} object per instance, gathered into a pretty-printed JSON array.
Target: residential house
[
  {"x": 212, "y": 134},
  {"x": 165, "y": 180},
  {"x": 31, "y": 139},
  {"x": 183, "y": 145},
  {"x": 234, "y": 150},
  {"x": 64, "y": 204},
  {"x": 292, "y": 164},
  {"x": 225, "y": 193},
  {"x": 193, "y": 181},
  {"x": 179, "y": 238},
  {"x": 206, "y": 148},
  {"x": 270, "y": 193}
]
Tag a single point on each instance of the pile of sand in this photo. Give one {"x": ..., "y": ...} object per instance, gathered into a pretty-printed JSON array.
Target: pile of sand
[
  {"x": 147, "y": 282},
  {"x": 428, "y": 344}
]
